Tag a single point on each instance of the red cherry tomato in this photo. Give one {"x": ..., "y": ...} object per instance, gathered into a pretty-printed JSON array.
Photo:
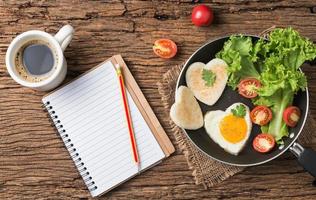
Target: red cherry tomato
[
  {"x": 247, "y": 87},
  {"x": 263, "y": 142},
  {"x": 291, "y": 116},
  {"x": 261, "y": 115},
  {"x": 202, "y": 15},
  {"x": 165, "y": 48}
]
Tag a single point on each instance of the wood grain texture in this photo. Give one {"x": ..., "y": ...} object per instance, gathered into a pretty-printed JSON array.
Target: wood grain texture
[{"x": 33, "y": 161}]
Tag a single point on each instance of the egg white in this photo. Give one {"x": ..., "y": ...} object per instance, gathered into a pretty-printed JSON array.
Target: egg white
[{"x": 211, "y": 123}]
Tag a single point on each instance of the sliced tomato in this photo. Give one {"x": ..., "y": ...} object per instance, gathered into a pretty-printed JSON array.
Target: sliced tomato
[
  {"x": 291, "y": 116},
  {"x": 165, "y": 48},
  {"x": 263, "y": 142},
  {"x": 261, "y": 115},
  {"x": 248, "y": 87}
]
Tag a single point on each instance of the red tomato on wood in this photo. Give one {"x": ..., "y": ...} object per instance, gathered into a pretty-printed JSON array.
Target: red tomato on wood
[
  {"x": 165, "y": 48},
  {"x": 202, "y": 15}
]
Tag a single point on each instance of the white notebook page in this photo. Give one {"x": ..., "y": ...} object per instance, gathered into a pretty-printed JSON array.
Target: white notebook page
[{"x": 91, "y": 111}]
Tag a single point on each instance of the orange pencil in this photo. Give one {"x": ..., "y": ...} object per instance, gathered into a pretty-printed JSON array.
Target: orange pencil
[{"x": 127, "y": 114}]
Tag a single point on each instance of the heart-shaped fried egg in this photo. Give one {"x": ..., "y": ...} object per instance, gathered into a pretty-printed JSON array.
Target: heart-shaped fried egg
[{"x": 228, "y": 130}]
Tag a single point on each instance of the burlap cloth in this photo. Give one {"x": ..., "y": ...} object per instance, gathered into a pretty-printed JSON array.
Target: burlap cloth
[{"x": 206, "y": 171}]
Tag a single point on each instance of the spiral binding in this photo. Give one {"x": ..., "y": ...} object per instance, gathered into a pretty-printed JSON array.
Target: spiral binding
[{"x": 55, "y": 122}]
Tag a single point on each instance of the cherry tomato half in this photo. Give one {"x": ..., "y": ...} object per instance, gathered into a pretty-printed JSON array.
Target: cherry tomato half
[
  {"x": 291, "y": 116},
  {"x": 202, "y": 15},
  {"x": 165, "y": 48},
  {"x": 247, "y": 87},
  {"x": 263, "y": 142},
  {"x": 261, "y": 115}
]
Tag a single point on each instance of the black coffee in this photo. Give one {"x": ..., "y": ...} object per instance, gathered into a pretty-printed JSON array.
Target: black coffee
[
  {"x": 35, "y": 61},
  {"x": 38, "y": 59}
]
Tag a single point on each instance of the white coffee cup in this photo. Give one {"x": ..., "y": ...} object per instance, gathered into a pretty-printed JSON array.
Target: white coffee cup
[{"x": 58, "y": 42}]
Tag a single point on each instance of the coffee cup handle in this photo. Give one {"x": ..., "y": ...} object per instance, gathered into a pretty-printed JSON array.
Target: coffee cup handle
[{"x": 64, "y": 36}]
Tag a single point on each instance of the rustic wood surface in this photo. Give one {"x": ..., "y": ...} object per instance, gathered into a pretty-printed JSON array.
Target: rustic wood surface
[{"x": 33, "y": 161}]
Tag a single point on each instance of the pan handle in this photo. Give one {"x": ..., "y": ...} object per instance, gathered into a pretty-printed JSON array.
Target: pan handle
[{"x": 306, "y": 157}]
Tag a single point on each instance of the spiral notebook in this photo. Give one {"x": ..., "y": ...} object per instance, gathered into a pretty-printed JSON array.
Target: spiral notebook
[{"x": 89, "y": 116}]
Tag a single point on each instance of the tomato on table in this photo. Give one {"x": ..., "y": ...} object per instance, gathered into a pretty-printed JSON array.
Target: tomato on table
[
  {"x": 263, "y": 142},
  {"x": 291, "y": 116},
  {"x": 202, "y": 15},
  {"x": 261, "y": 115},
  {"x": 165, "y": 48},
  {"x": 248, "y": 87}
]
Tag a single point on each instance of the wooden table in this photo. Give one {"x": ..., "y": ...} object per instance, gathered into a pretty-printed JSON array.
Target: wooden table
[{"x": 33, "y": 161}]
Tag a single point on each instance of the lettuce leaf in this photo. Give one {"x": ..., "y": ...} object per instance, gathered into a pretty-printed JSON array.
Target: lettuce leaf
[
  {"x": 281, "y": 78},
  {"x": 238, "y": 54}
]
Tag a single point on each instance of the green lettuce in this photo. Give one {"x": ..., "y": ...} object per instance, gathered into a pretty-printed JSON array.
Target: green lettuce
[
  {"x": 276, "y": 64},
  {"x": 237, "y": 53}
]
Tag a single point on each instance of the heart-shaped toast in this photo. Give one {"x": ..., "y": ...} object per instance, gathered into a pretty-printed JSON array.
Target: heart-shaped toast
[
  {"x": 207, "y": 81},
  {"x": 186, "y": 111}
]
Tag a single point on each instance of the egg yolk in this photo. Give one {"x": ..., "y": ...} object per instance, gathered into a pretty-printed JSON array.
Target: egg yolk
[{"x": 233, "y": 128}]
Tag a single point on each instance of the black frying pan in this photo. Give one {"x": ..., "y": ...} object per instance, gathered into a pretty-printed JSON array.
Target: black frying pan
[{"x": 248, "y": 156}]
